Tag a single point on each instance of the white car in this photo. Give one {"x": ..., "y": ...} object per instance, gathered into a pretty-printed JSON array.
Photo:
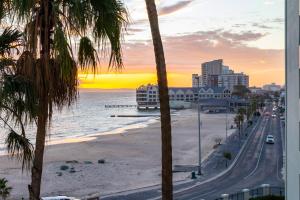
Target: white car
[
  {"x": 273, "y": 115},
  {"x": 59, "y": 198},
  {"x": 270, "y": 139}
]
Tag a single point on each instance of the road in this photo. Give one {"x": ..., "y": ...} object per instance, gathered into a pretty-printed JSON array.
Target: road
[{"x": 259, "y": 163}]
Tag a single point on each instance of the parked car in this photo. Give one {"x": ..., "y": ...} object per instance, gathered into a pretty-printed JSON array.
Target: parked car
[
  {"x": 270, "y": 139},
  {"x": 59, "y": 198}
]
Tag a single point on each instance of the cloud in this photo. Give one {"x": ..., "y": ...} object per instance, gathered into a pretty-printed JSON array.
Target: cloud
[
  {"x": 262, "y": 26},
  {"x": 173, "y": 8},
  {"x": 185, "y": 53},
  {"x": 135, "y": 30}
]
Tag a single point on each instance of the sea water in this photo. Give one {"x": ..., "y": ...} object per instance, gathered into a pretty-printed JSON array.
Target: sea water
[{"x": 89, "y": 116}]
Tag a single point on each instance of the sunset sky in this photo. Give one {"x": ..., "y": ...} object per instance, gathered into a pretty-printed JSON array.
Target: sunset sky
[{"x": 247, "y": 35}]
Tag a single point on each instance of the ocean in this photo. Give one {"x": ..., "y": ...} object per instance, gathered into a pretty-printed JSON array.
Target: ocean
[{"x": 89, "y": 117}]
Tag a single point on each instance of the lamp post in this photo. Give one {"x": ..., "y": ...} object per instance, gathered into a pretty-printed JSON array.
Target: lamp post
[
  {"x": 226, "y": 122},
  {"x": 199, "y": 131}
]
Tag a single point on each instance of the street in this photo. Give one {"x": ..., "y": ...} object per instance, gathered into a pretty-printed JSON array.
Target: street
[{"x": 259, "y": 163}]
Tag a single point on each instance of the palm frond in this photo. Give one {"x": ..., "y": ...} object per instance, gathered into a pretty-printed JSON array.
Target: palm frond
[
  {"x": 62, "y": 52},
  {"x": 10, "y": 39},
  {"x": 79, "y": 15},
  {"x": 87, "y": 54},
  {"x": 22, "y": 9},
  {"x": 110, "y": 17},
  {"x": 4, "y": 188},
  {"x": 20, "y": 147}
]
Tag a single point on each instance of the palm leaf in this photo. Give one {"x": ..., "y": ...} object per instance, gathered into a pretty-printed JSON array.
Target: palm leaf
[
  {"x": 20, "y": 147},
  {"x": 10, "y": 39},
  {"x": 87, "y": 54}
]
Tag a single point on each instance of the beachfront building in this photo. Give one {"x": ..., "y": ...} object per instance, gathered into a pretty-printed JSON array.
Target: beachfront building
[
  {"x": 147, "y": 95},
  {"x": 232, "y": 79}
]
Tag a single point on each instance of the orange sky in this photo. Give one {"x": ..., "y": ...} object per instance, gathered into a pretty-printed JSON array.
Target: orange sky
[{"x": 247, "y": 35}]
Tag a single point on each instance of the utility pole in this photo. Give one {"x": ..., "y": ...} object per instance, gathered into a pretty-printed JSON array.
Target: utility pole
[
  {"x": 199, "y": 131},
  {"x": 226, "y": 121}
]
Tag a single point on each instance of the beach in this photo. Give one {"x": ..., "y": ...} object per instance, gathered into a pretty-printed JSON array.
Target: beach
[{"x": 132, "y": 157}]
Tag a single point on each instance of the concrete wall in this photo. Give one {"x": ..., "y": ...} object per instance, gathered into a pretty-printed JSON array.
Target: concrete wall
[{"x": 292, "y": 100}]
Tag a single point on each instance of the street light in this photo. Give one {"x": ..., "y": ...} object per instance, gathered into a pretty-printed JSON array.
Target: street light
[
  {"x": 199, "y": 131},
  {"x": 226, "y": 122}
]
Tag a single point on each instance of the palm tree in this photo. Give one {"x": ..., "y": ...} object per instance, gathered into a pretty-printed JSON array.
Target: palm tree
[
  {"x": 4, "y": 188},
  {"x": 227, "y": 156},
  {"x": 166, "y": 136},
  {"x": 17, "y": 103},
  {"x": 52, "y": 30},
  {"x": 238, "y": 120}
]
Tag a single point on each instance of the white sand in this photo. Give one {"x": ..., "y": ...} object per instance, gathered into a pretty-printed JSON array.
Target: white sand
[{"x": 132, "y": 158}]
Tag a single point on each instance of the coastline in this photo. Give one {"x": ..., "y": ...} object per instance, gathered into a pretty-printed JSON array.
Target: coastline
[{"x": 132, "y": 158}]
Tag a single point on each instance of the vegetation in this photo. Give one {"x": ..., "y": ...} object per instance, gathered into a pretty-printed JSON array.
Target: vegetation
[
  {"x": 166, "y": 138},
  {"x": 227, "y": 156},
  {"x": 4, "y": 189},
  {"x": 45, "y": 75},
  {"x": 240, "y": 91},
  {"x": 17, "y": 103},
  {"x": 239, "y": 120}
]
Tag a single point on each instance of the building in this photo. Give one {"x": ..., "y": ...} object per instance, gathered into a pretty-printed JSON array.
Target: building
[
  {"x": 214, "y": 67},
  {"x": 227, "y": 70},
  {"x": 257, "y": 90},
  {"x": 147, "y": 95},
  {"x": 232, "y": 79},
  {"x": 197, "y": 80},
  {"x": 272, "y": 87},
  {"x": 292, "y": 122},
  {"x": 215, "y": 74},
  {"x": 213, "y": 80}
]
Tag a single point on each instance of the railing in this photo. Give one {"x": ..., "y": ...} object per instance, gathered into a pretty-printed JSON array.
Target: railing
[{"x": 263, "y": 190}]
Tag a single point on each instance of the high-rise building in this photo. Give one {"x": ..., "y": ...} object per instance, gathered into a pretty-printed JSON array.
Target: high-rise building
[
  {"x": 214, "y": 67},
  {"x": 212, "y": 80},
  {"x": 197, "y": 81},
  {"x": 215, "y": 74},
  {"x": 230, "y": 80}
]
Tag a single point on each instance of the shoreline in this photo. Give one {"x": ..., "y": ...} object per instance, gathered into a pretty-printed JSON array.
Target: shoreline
[{"x": 132, "y": 158}]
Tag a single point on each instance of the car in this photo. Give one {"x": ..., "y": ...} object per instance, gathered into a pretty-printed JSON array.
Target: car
[
  {"x": 273, "y": 115},
  {"x": 59, "y": 198},
  {"x": 270, "y": 139},
  {"x": 267, "y": 114}
]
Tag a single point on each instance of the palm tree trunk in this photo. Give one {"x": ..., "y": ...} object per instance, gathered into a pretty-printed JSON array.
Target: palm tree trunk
[
  {"x": 37, "y": 168},
  {"x": 166, "y": 136}
]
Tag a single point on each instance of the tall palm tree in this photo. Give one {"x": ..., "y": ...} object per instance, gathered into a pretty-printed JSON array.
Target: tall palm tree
[
  {"x": 166, "y": 137},
  {"x": 53, "y": 28},
  {"x": 4, "y": 189}
]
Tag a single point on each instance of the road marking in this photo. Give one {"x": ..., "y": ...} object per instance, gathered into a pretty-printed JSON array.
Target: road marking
[
  {"x": 207, "y": 193},
  {"x": 278, "y": 169},
  {"x": 260, "y": 153}
]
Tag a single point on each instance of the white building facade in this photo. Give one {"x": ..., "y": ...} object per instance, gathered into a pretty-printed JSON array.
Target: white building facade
[{"x": 147, "y": 95}]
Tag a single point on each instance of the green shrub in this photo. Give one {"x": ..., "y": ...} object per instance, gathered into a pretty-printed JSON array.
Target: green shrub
[{"x": 64, "y": 167}]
